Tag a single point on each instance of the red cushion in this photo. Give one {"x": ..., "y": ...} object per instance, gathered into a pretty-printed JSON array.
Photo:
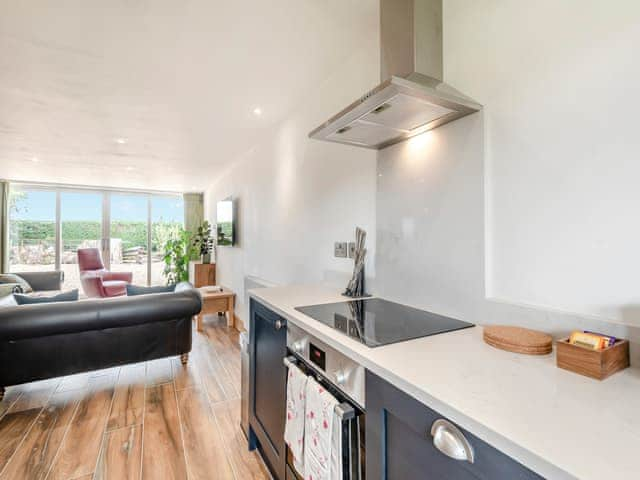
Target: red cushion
[{"x": 114, "y": 288}]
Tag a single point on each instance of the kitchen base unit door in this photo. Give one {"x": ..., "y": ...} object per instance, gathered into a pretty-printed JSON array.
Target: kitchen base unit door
[
  {"x": 267, "y": 386},
  {"x": 407, "y": 440}
]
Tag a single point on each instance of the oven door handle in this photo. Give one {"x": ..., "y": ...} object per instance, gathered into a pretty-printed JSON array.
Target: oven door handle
[
  {"x": 345, "y": 411},
  {"x": 290, "y": 361}
]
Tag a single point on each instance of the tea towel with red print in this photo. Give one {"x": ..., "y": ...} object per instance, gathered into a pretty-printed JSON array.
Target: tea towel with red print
[
  {"x": 319, "y": 433},
  {"x": 294, "y": 426}
]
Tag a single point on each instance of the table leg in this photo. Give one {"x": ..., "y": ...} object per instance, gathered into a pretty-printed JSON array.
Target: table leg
[
  {"x": 199, "y": 323},
  {"x": 231, "y": 319}
]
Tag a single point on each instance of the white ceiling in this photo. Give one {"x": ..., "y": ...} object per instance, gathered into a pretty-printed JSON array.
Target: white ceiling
[{"x": 177, "y": 79}]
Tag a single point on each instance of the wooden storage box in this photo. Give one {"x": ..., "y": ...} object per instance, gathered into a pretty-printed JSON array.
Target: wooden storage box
[
  {"x": 598, "y": 364},
  {"x": 202, "y": 274}
]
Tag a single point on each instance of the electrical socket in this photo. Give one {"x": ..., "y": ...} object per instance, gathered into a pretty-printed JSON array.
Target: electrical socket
[
  {"x": 340, "y": 249},
  {"x": 352, "y": 249}
]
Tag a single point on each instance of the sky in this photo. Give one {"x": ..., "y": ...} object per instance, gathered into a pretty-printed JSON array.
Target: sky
[{"x": 41, "y": 206}]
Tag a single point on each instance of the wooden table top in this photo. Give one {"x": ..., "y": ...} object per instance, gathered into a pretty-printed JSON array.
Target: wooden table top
[{"x": 207, "y": 294}]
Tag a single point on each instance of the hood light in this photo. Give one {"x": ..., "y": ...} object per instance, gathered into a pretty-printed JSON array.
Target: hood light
[{"x": 381, "y": 108}]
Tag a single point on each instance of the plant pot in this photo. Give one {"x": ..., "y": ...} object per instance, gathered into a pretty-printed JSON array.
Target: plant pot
[{"x": 206, "y": 258}]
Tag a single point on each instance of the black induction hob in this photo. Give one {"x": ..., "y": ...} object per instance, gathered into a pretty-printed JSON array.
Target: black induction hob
[{"x": 375, "y": 322}]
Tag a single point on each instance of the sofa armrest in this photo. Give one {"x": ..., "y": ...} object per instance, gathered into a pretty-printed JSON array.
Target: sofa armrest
[
  {"x": 186, "y": 286},
  {"x": 122, "y": 276},
  {"x": 92, "y": 285},
  {"x": 41, "y": 320},
  {"x": 40, "y": 281}
]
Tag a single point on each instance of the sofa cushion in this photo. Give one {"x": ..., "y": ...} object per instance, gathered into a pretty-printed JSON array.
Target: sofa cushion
[
  {"x": 16, "y": 279},
  {"x": 70, "y": 296},
  {"x": 45, "y": 293},
  {"x": 9, "y": 289},
  {"x": 133, "y": 290},
  {"x": 114, "y": 288}
]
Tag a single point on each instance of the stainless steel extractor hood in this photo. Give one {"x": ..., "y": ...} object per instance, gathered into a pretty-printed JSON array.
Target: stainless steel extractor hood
[{"x": 412, "y": 97}]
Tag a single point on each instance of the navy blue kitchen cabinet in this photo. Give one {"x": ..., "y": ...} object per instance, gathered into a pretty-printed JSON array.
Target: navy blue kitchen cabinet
[
  {"x": 400, "y": 444},
  {"x": 267, "y": 386}
]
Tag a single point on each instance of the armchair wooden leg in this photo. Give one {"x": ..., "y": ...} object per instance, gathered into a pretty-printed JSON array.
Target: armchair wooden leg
[
  {"x": 184, "y": 358},
  {"x": 1, "y": 393}
]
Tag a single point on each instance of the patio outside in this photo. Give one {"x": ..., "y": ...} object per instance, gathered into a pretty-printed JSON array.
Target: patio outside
[
  {"x": 72, "y": 276},
  {"x": 41, "y": 257}
]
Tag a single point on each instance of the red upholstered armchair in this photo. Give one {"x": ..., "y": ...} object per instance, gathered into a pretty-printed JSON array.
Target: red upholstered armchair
[{"x": 96, "y": 280}]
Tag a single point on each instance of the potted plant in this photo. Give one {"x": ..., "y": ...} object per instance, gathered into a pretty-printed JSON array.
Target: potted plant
[
  {"x": 177, "y": 253},
  {"x": 203, "y": 242}
]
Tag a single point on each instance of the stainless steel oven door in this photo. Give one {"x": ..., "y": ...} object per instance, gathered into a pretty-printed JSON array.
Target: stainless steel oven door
[{"x": 352, "y": 421}]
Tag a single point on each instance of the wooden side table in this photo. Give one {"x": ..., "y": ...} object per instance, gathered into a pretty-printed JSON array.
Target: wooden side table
[{"x": 214, "y": 302}]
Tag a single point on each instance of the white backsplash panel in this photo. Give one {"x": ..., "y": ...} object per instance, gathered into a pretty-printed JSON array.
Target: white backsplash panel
[
  {"x": 430, "y": 238},
  {"x": 429, "y": 211}
]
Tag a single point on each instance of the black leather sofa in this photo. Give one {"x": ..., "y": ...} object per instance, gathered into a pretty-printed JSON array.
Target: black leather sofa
[{"x": 48, "y": 340}]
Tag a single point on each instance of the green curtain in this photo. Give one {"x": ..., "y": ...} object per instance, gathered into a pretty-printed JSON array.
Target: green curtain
[
  {"x": 193, "y": 214},
  {"x": 193, "y": 211},
  {"x": 4, "y": 226}
]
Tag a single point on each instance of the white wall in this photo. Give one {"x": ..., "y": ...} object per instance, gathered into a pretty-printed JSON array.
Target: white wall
[
  {"x": 297, "y": 196},
  {"x": 561, "y": 85},
  {"x": 533, "y": 201}
]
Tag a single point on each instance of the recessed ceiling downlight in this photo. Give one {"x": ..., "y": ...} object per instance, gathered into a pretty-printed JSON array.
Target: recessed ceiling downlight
[
  {"x": 120, "y": 140},
  {"x": 257, "y": 111}
]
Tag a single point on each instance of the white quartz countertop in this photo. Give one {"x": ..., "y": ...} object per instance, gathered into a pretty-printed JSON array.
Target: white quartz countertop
[{"x": 557, "y": 423}]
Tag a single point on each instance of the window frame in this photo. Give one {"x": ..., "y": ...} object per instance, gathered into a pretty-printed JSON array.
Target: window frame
[{"x": 106, "y": 193}]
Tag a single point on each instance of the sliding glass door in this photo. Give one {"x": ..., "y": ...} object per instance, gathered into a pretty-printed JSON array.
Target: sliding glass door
[
  {"x": 167, "y": 218},
  {"x": 129, "y": 235},
  {"x": 80, "y": 227},
  {"x": 32, "y": 229},
  {"x": 47, "y": 226}
]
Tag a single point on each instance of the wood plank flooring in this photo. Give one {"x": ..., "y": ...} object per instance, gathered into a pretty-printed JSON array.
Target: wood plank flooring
[{"x": 153, "y": 420}]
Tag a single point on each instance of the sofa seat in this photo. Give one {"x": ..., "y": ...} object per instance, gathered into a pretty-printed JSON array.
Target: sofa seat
[
  {"x": 45, "y": 293},
  {"x": 114, "y": 288}
]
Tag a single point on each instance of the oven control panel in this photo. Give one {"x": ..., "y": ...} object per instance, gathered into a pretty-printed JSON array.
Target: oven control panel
[
  {"x": 317, "y": 356},
  {"x": 346, "y": 374}
]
